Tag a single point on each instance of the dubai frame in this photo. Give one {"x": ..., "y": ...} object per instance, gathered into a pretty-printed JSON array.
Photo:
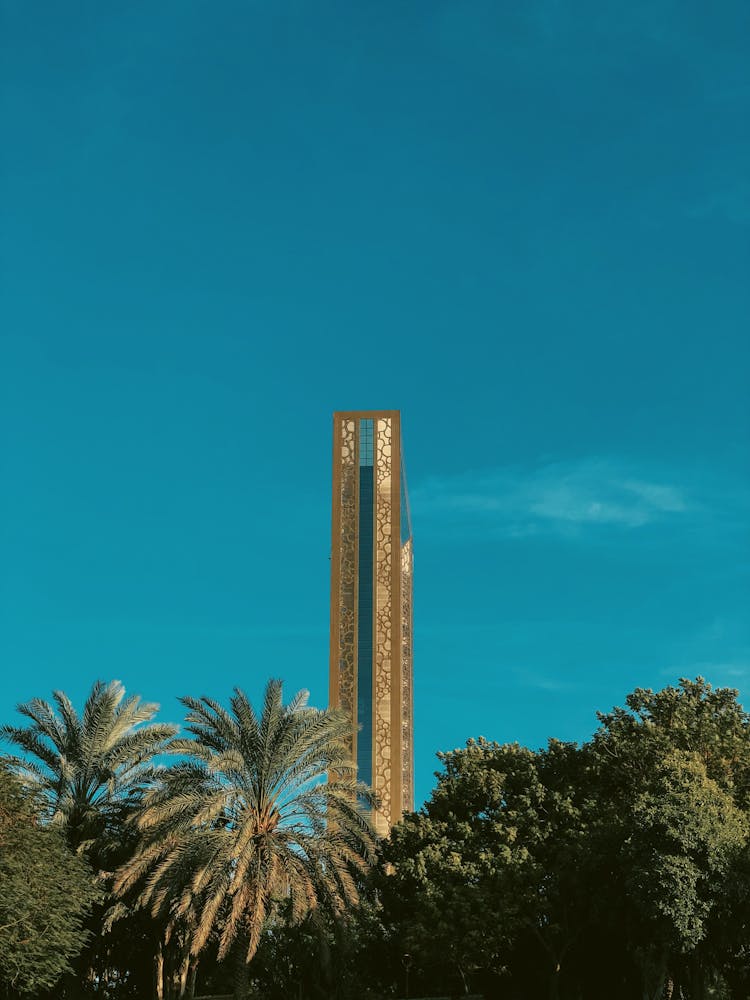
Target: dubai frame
[{"x": 371, "y": 605}]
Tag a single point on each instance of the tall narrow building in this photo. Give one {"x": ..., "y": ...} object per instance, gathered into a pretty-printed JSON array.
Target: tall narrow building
[{"x": 371, "y": 605}]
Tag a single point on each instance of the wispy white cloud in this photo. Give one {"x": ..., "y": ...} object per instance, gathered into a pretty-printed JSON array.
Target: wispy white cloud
[
  {"x": 554, "y": 496},
  {"x": 545, "y": 682}
]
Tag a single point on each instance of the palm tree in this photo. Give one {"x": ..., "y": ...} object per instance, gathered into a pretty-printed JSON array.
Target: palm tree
[
  {"x": 88, "y": 769},
  {"x": 246, "y": 819}
]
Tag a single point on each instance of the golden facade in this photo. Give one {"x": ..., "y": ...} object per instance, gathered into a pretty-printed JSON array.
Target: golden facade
[{"x": 371, "y": 605}]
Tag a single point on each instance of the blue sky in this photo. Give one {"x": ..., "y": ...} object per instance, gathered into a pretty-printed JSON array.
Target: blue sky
[{"x": 525, "y": 225}]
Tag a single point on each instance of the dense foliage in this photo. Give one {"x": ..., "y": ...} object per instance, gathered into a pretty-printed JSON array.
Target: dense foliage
[
  {"x": 45, "y": 893},
  {"x": 617, "y": 868}
]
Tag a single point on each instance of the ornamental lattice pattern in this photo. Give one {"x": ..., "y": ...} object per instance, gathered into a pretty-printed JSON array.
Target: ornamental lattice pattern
[
  {"x": 407, "y": 684},
  {"x": 383, "y": 612},
  {"x": 348, "y": 570}
]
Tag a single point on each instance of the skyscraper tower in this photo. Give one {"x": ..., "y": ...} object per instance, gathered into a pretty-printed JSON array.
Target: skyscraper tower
[{"x": 371, "y": 605}]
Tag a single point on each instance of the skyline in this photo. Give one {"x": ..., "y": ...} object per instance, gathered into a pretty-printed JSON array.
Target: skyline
[{"x": 220, "y": 224}]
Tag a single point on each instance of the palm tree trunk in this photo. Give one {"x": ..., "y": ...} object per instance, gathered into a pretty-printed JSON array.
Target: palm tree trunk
[
  {"x": 159, "y": 973},
  {"x": 241, "y": 980},
  {"x": 183, "y": 975},
  {"x": 192, "y": 977}
]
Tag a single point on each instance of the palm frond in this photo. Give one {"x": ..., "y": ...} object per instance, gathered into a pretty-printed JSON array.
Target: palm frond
[
  {"x": 90, "y": 764},
  {"x": 45, "y": 722},
  {"x": 246, "y": 817}
]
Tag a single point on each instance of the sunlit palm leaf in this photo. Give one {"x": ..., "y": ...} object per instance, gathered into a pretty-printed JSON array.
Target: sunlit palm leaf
[
  {"x": 85, "y": 767},
  {"x": 246, "y": 818}
]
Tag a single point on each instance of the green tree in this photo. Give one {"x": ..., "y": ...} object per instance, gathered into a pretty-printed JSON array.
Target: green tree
[
  {"x": 246, "y": 818},
  {"x": 619, "y": 868},
  {"x": 485, "y": 882},
  {"x": 673, "y": 776},
  {"x": 728, "y": 935},
  {"x": 89, "y": 772},
  {"x": 45, "y": 893},
  {"x": 693, "y": 717}
]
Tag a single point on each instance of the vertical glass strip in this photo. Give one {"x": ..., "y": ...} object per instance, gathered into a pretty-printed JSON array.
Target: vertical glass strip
[{"x": 365, "y": 602}]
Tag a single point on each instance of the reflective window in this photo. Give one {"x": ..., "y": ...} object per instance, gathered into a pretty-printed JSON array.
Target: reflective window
[
  {"x": 366, "y": 441},
  {"x": 364, "y": 617}
]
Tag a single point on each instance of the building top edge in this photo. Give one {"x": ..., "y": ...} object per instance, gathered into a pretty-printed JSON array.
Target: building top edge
[{"x": 366, "y": 413}]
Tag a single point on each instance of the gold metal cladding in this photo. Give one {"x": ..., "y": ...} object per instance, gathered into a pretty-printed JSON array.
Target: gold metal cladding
[
  {"x": 383, "y": 607},
  {"x": 333, "y": 657},
  {"x": 367, "y": 415},
  {"x": 407, "y": 683},
  {"x": 343, "y": 673},
  {"x": 396, "y": 693}
]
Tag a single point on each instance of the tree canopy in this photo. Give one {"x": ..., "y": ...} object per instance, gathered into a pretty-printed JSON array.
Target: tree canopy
[
  {"x": 549, "y": 873},
  {"x": 87, "y": 767},
  {"x": 247, "y": 818},
  {"x": 619, "y": 867},
  {"x": 45, "y": 894}
]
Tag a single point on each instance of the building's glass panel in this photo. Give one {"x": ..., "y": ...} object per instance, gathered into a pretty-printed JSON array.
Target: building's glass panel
[
  {"x": 365, "y": 441},
  {"x": 364, "y": 605}
]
